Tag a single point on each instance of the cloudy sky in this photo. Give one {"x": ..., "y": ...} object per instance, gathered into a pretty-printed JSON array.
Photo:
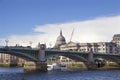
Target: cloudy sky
[{"x": 22, "y": 21}]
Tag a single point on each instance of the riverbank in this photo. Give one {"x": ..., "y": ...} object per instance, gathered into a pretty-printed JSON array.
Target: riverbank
[
  {"x": 79, "y": 66},
  {"x": 9, "y": 65},
  {"x": 109, "y": 68},
  {"x": 73, "y": 66},
  {"x": 76, "y": 66}
]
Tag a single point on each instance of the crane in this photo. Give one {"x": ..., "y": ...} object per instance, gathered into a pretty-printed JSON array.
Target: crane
[{"x": 71, "y": 35}]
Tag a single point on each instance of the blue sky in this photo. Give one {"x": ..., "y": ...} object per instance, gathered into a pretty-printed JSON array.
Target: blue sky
[{"x": 20, "y": 17}]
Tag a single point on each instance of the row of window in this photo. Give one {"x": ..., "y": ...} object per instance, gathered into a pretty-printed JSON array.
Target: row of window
[
  {"x": 116, "y": 38},
  {"x": 91, "y": 49}
]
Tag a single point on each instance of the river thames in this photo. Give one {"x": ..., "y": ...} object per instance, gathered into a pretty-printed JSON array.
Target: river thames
[{"x": 18, "y": 74}]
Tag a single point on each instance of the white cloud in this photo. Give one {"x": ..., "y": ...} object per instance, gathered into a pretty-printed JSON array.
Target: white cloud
[{"x": 95, "y": 30}]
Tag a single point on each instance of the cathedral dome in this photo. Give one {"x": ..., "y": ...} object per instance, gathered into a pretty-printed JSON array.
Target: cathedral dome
[{"x": 60, "y": 40}]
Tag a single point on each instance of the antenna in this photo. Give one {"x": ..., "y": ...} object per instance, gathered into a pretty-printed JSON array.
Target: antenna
[{"x": 71, "y": 35}]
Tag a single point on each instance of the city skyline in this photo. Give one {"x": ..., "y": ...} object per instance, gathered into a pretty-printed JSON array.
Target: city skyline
[{"x": 40, "y": 21}]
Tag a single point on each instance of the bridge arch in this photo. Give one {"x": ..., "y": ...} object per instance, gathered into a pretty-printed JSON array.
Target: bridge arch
[
  {"x": 71, "y": 56},
  {"x": 112, "y": 58},
  {"x": 20, "y": 54}
]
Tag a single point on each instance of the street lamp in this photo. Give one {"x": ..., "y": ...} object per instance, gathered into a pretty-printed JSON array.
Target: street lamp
[{"x": 6, "y": 42}]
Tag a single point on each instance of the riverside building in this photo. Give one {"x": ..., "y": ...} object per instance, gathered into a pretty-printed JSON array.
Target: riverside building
[
  {"x": 112, "y": 47},
  {"x": 116, "y": 40},
  {"x": 99, "y": 47}
]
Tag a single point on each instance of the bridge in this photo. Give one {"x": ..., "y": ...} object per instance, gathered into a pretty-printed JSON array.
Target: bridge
[{"x": 39, "y": 56}]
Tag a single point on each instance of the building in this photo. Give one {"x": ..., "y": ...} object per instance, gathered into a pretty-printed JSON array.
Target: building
[
  {"x": 116, "y": 40},
  {"x": 8, "y": 59},
  {"x": 60, "y": 41},
  {"x": 98, "y": 47}
]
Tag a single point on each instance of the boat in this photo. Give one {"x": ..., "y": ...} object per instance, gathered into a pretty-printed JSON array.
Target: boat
[
  {"x": 56, "y": 66},
  {"x": 49, "y": 67},
  {"x": 63, "y": 67}
]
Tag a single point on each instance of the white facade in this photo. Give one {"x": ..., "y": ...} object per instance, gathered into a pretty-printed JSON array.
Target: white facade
[{"x": 100, "y": 47}]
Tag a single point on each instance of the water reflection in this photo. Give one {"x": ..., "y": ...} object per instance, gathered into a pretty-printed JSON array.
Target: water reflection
[
  {"x": 18, "y": 74},
  {"x": 11, "y": 70}
]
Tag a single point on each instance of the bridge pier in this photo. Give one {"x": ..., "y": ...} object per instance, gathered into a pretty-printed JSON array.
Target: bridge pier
[
  {"x": 90, "y": 64},
  {"x": 41, "y": 65}
]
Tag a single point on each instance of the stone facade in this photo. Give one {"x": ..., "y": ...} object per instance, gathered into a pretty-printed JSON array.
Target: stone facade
[
  {"x": 8, "y": 59},
  {"x": 99, "y": 47},
  {"x": 116, "y": 40}
]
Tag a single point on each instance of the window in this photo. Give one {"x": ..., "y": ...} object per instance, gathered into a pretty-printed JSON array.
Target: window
[
  {"x": 88, "y": 49},
  {"x": 99, "y": 49},
  {"x": 84, "y": 49}
]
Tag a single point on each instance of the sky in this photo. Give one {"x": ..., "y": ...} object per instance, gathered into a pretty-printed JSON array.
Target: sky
[{"x": 22, "y": 21}]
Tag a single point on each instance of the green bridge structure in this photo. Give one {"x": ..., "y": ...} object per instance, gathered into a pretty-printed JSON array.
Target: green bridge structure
[{"x": 40, "y": 56}]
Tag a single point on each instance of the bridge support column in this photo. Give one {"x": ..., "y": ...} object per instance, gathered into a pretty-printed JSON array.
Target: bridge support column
[
  {"x": 41, "y": 65},
  {"x": 41, "y": 55},
  {"x": 91, "y": 64},
  {"x": 90, "y": 57}
]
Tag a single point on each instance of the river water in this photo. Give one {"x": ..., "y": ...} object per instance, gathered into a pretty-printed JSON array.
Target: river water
[{"x": 18, "y": 74}]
